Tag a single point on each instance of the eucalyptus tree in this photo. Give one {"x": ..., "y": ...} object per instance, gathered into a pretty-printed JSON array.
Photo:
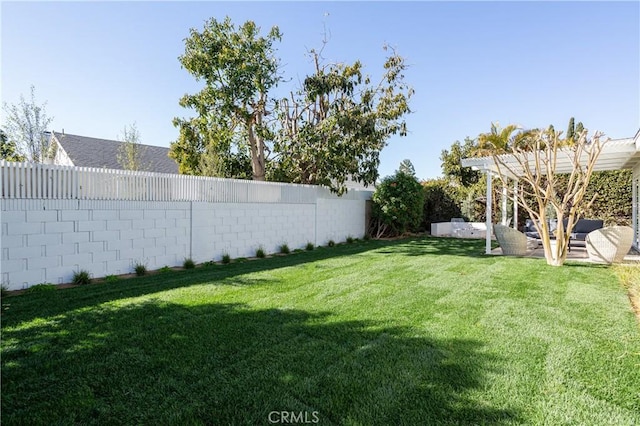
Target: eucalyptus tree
[
  {"x": 238, "y": 67},
  {"x": 333, "y": 128}
]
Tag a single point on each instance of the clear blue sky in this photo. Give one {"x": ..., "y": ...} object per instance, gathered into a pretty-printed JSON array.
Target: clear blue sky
[{"x": 101, "y": 66}]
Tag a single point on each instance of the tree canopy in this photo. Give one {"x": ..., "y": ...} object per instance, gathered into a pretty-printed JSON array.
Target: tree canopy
[
  {"x": 238, "y": 67},
  {"x": 328, "y": 131}
]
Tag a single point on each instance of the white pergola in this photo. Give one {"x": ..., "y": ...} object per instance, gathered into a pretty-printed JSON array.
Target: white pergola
[{"x": 616, "y": 154}]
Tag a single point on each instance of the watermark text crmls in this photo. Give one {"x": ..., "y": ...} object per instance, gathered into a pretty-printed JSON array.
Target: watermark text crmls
[{"x": 294, "y": 417}]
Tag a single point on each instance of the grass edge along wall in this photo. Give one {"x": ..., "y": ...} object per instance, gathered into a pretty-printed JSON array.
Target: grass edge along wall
[{"x": 47, "y": 240}]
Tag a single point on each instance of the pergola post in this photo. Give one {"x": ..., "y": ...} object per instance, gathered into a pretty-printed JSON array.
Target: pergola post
[
  {"x": 515, "y": 204},
  {"x": 505, "y": 198},
  {"x": 488, "y": 211},
  {"x": 634, "y": 206}
]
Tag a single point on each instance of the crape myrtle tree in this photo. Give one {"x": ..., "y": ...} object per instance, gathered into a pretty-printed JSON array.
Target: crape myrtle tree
[
  {"x": 25, "y": 126},
  {"x": 533, "y": 156},
  {"x": 238, "y": 68},
  {"x": 334, "y": 127}
]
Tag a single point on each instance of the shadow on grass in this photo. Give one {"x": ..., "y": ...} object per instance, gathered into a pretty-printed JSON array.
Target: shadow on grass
[
  {"x": 165, "y": 363},
  {"x": 58, "y": 302}
]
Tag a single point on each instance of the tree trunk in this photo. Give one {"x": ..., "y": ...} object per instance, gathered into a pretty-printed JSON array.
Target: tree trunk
[{"x": 256, "y": 145}]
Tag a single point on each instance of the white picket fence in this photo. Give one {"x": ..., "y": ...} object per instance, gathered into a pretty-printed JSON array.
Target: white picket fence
[{"x": 44, "y": 181}]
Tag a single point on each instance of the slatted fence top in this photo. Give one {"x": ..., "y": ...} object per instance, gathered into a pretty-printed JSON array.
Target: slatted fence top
[{"x": 44, "y": 181}]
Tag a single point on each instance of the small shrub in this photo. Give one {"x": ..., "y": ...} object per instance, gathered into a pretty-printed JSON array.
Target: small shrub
[
  {"x": 226, "y": 259},
  {"x": 140, "y": 269},
  {"x": 188, "y": 264},
  {"x": 4, "y": 291},
  {"x": 81, "y": 277},
  {"x": 350, "y": 240},
  {"x": 165, "y": 269},
  {"x": 309, "y": 246},
  {"x": 260, "y": 253},
  {"x": 40, "y": 288},
  {"x": 111, "y": 278},
  {"x": 331, "y": 243},
  {"x": 284, "y": 249}
]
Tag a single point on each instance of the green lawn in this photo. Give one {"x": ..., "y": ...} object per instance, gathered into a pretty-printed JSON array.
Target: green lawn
[{"x": 422, "y": 331}]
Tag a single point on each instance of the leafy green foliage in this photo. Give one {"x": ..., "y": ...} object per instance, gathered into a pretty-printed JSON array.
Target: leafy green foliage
[
  {"x": 398, "y": 204},
  {"x": 188, "y": 264},
  {"x": 226, "y": 259},
  {"x": 111, "y": 279},
  {"x": 9, "y": 149},
  {"x": 238, "y": 68},
  {"x": 441, "y": 202},
  {"x": 81, "y": 277},
  {"x": 309, "y": 246},
  {"x": 452, "y": 162},
  {"x": 350, "y": 240},
  {"x": 331, "y": 243},
  {"x": 165, "y": 269},
  {"x": 260, "y": 253},
  {"x": 4, "y": 291},
  {"x": 335, "y": 126}
]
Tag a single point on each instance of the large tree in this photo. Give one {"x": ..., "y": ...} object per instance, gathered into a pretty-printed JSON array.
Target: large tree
[
  {"x": 26, "y": 125},
  {"x": 452, "y": 162},
  {"x": 238, "y": 67},
  {"x": 534, "y": 156},
  {"x": 334, "y": 127}
]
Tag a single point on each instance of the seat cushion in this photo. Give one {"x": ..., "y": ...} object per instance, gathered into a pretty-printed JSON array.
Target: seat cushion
[{"x": 584, "y": 226}]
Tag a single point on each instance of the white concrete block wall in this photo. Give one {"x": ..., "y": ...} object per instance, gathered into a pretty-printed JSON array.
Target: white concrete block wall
[
  {"x": 339, "y": 219},
  {"x": 47, "y": 240}
]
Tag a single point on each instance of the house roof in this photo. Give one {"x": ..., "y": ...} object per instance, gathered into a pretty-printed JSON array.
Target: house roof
[
  {"x": 103, "y": 153},
  {"x": 616, "y": 154}
]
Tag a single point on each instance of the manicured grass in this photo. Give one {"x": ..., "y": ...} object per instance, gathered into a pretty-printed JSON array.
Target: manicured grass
[{"x": 422, "y": 331}]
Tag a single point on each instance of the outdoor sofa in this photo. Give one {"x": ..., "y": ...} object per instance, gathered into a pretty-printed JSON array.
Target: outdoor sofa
[{"x": 578, "y": 234}]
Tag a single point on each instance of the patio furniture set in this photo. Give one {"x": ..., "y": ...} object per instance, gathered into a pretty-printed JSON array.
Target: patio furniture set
[{"x": 603, "y": 245}]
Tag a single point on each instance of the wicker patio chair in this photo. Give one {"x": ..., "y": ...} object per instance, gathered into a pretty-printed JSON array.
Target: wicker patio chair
[
  {"x": 609, "y": 245},
  {"x": 512, "y": 242}
]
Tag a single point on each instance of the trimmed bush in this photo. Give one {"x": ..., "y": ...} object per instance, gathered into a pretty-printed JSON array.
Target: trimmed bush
[{"x": 398, "y": 205}]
